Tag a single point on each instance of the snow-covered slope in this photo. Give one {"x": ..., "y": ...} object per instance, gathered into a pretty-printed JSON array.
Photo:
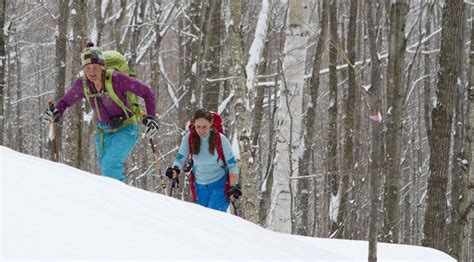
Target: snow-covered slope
[{"x": 53, "y": 211}]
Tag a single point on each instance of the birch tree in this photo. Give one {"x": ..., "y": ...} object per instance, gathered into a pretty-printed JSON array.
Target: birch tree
[
  {"x": 289, "y": 113},
  {"x": 272, "y": 98},
  {"x": 302, "y": 223}
]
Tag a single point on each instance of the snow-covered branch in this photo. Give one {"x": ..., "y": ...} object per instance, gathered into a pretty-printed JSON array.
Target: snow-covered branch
[
  {"x": 29, "y": 97},
  {"x": 257, "y": 45},
  {"x": 225, "y": 103},
  {"x": 219, "y": 79}
]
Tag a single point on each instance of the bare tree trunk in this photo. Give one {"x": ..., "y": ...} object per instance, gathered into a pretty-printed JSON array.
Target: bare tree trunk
[
  {"x": 469, "y": 251},
  {"x": 458, "y": 226},
  {"x": 395, "y": 99},
  {"x": 331, "y": 148},
  {"x": 417, "y": 177},
  {"x": 427, "y": 73},
  {"x": 73, "y": 123},
  {"x": 348, "y": 141},
  {"x": 100, "y": 18},
  {"x": 442, "y": 117},
  {"x": 88, "y": 127},
  {"x": 258, "y": 107},
  {"x": 60, "y": 61},
  {"x": 211, "y": 61},
  {"x": 376, "y": 133},
  {"x": 155, "y": 61},
  {"x": 358, "y": 180},
  {"x": 117, "y": 26},
  {"x": 193, "y": 60},
  {"x": 19, "y": 138},
  {"x": 242, "y": 118},
  {"x": 138, "y": 18},
  {"x": 462, "y": 203},
  {"x": 3, "y": 59},
  {"x": 257, "y": 118}
]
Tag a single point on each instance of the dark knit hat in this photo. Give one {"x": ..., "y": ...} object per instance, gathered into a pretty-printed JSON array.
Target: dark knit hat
[{"x": 92, "y": 55}]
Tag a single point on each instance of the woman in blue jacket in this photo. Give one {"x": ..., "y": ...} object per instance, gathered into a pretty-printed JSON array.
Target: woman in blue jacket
[{"x": 213, "y": 163}]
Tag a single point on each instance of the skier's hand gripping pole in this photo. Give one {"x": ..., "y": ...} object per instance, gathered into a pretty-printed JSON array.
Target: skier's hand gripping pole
[{"x": 51, "y": 116}]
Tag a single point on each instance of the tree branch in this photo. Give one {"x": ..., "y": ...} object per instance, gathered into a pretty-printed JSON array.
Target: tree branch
[{"x": 55, "y": 18}]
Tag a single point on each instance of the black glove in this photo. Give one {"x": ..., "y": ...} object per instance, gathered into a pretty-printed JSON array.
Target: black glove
[
  {"x": 169, "y": 171},
  {"x": 51, "y": 115},
  {"x": 151, "y": 126},
  {"x": 234, "y": 191}
]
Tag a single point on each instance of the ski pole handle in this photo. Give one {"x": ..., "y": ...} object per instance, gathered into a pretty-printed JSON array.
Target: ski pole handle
[
  {"x": 52, "y": 134},
  {"x": 51, "y": 104}
]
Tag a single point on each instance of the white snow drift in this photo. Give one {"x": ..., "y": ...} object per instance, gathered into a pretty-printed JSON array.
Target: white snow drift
[{"x": 53, "y": 211}]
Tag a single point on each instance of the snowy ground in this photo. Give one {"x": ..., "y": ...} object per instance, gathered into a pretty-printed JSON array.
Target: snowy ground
[{"x": 51, "y": 211}]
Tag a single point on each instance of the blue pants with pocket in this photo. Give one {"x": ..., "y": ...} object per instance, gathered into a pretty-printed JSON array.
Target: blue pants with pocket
[
  {"x": 212, "y": 195},
  {"x": 113, "y": 149}
]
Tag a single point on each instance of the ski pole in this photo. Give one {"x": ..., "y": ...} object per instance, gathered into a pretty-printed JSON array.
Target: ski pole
[
  {"x": 157, "y": 162},
  {"x": 235, "y": 208},
  {"x": 157, "y": 158},
  {"x": 174, "y": 184},
  {"x": 52, "y": 134}
]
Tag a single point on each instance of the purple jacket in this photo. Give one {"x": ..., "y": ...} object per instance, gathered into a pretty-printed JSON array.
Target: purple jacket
[{"x": 108, "y": 109}]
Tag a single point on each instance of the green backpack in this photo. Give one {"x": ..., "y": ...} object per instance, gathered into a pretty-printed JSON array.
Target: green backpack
[{"x": 115, "y": 61}]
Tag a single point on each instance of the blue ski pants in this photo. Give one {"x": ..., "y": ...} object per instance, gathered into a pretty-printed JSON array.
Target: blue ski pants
[
  {"x": 212, "y": 195},
  {"x": 113, "y": 148}
]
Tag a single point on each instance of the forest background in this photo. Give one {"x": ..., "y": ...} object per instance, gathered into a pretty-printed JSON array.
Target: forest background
[{"x": 351, "y": 118}]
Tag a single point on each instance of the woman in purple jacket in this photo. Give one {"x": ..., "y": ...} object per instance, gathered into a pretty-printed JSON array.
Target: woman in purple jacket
[{"x": 117, "y": 132}]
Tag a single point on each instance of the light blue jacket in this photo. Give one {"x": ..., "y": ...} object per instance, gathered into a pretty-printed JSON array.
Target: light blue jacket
[{"x": 207, "y": 168}]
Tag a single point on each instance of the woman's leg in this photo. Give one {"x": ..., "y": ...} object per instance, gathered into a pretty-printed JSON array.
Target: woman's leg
[
  {"x": 115, "y": 149},
  {"x": 202, "y": 194},
  {"x": 217, "y": 197}
]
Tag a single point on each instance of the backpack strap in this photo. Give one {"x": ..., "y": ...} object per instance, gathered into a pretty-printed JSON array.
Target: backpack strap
[
  {"x": 220, "y": 150},
  {"x": 88, "y": 95},
  {"x": 108, "y": 86}
]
